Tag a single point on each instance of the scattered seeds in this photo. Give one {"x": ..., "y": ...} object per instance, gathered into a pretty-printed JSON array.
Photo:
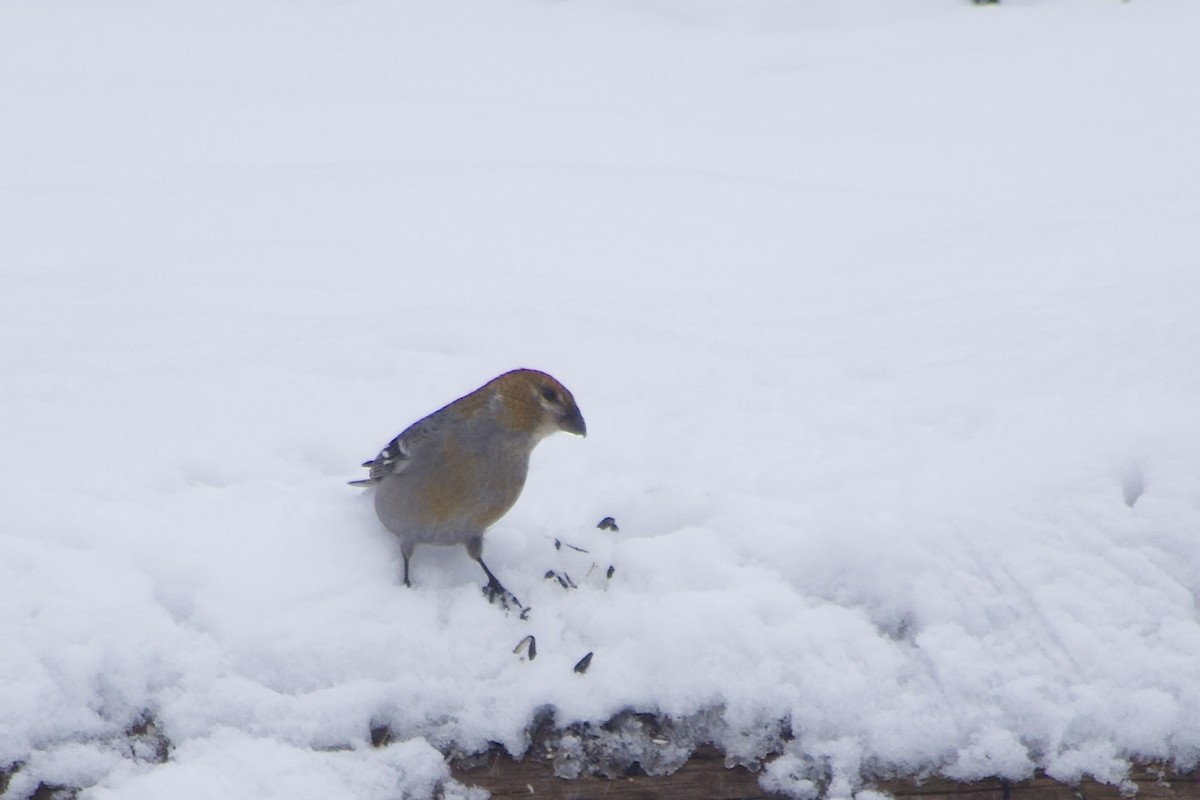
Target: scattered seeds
[
  {"x": 608, "y": 524},
  {"x": 528, "y": 644},
  {"x": 583, "y": 664},
  {"x": 564, "y": 580}
]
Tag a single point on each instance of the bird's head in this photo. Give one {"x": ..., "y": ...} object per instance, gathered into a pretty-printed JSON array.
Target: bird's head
[{"x": 536, "y": 403}]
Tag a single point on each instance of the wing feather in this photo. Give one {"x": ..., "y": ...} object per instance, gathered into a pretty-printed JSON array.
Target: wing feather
[{"x": 399, "y": 453}]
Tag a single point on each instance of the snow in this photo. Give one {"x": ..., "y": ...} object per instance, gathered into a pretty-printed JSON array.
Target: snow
[{"x": 882, "y": 317}]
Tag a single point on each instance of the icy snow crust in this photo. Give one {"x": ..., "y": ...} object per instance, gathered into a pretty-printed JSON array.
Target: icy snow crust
[{"x": 883, "y": 317}]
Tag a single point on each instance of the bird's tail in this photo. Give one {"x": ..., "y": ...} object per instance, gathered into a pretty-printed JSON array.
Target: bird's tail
[{"x": 375, "y": 477}]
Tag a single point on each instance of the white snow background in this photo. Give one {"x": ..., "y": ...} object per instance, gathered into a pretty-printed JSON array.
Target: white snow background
[{"x": 883, "y": 316}]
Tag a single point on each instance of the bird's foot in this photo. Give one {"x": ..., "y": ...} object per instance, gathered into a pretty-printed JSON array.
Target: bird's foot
[{"x": 495, "y": 592}]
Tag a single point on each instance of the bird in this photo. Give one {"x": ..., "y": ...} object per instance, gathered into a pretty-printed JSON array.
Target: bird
[{"x": 449, "y": 476}]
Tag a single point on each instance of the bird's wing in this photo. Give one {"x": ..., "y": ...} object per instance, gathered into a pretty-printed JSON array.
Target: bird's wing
[{"x": 400, "y": 452}]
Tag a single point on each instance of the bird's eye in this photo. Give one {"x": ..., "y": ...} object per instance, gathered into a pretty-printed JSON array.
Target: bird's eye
[{"x": 549, "y": 394}]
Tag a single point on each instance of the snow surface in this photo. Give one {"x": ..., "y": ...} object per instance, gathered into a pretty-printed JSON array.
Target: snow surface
[{"x": 883, "y": 317}]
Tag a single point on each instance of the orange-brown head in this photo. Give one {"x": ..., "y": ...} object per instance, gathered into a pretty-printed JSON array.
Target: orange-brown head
[{"x": 535, "y": 403}]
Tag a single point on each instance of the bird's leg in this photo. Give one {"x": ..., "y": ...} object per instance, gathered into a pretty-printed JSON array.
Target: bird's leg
[
  {"x": 494, "y": 589},
  {"x": 406, "y": 550}
]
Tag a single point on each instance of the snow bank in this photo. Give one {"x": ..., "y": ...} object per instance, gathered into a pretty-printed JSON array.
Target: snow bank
[{"x": 882, "y": 320}]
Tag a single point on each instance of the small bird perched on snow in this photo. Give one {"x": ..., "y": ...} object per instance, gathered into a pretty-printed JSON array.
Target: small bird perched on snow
[{"x": 449, "y": 476}]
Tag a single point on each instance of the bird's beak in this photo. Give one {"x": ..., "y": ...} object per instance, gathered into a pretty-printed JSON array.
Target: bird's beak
[{"x": 573, "y": 423}]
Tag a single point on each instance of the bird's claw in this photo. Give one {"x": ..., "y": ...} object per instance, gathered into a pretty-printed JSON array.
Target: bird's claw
[{"x": 496, "y": 593}]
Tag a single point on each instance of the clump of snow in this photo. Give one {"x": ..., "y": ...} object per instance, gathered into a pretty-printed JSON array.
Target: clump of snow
[
  {"x": 632, "y": 743},
  {"x": 234, "y": 764},
  {"x": 882, "y": 317}
]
